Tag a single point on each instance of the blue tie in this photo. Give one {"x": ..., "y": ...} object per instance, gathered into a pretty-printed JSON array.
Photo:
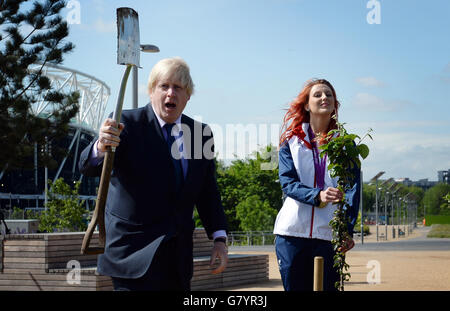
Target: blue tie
[{"x": 179, "y": 178}]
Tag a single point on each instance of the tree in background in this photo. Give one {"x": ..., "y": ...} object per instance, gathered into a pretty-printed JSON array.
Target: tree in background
[
  {"x": 447, "y": 204},
  {"x": 419, "y": 194},
  {"x": 434, "y": 200},
  {"x": 65, "y": 211},
  {"x": 368, "y": 197},
  {"x": 255, "y": 215},
  {"x": 357, "y": 227},
  {"x": 251, "y": 177},
  {"x": 31, "y": 33}
]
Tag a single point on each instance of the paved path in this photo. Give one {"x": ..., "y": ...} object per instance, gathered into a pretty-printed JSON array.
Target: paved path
[{"x": 411, "y": 263}]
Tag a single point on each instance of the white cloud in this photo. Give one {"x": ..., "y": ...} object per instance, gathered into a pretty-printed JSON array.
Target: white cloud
[
  {"x": 404, "y": 155},
  {"x": 370, "y": 82},
  {"x": 104, "y": 27},
  {"x": 99, "y": 26},
  {"x": 366, "y": 100},
  {"x": 375, "y": 103},
  {"x": 411, "y": 126},
  {"x": 404, "y": 149}
]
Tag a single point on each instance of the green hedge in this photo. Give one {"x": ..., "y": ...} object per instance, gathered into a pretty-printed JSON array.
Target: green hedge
[
  {"x": 357, "y": 229},
  {"x": 436, "y": 219},
  {"x": 439, "y": 231}
]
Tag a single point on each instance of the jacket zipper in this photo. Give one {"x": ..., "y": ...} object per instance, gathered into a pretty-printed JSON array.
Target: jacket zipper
[{"x": 312, "y": 213}]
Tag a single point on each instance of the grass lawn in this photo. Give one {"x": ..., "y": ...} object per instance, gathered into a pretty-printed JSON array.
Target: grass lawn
[{"x": 439, "y": 231}]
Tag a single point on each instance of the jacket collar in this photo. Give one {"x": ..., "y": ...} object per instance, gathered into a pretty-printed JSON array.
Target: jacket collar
[
  {"x": 161, "y": 121},
  {"x": 302, "y": 134}
]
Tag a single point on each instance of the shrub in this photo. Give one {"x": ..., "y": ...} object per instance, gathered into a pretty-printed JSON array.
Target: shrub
[{"x": 65, "y": 211}]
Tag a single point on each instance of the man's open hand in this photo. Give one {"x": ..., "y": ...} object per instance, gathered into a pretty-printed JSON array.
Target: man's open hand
[{"x": 220, "y": 250}]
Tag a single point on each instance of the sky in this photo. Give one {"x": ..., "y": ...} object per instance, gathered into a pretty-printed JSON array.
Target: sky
[{"x": 250, "y": 58}]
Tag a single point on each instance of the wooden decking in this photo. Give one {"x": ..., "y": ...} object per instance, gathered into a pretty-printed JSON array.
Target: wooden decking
[{"x": 52, "y": 262}]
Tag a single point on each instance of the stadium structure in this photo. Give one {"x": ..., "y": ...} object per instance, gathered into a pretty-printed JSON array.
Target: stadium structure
[{"x": 26, "y": 188}]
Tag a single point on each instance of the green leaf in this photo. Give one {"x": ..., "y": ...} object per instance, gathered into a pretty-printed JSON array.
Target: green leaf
[
  {"x": 363, "y": 150},
  {"x": 352, "y": 136}
]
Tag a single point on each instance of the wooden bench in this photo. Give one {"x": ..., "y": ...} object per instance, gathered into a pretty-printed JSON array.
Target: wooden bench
[{"x": 43, "y": 262}]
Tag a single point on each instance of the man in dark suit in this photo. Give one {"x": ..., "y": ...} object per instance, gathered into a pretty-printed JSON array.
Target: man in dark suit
[{"x": 163, "y": 167}]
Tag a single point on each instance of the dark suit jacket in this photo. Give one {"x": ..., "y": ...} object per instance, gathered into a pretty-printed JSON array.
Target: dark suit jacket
[{"x": 142, "y": 204}]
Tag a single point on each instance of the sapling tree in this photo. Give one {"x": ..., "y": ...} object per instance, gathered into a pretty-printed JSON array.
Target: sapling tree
[{"x": 344, "y": 162}]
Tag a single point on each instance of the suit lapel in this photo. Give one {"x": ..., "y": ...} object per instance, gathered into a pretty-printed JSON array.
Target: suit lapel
[
  {"x": 189, "y": 145},
  {"x": 153, "y": 123}
]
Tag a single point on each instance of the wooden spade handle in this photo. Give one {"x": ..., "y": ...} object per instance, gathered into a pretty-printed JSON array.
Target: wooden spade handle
[
  {"x": 99, "y": 213},
  {"x": 98, "y": 218},
  {"x": 318, "y": 273}
]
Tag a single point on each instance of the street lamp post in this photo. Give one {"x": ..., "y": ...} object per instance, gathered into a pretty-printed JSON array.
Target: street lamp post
[
  {"x": 405, "y": 214},
  {"x": 406, "y": 217},
  {"x": 375, "y": 178},
  {"x": 411, "y": 198},
  {"x": 385, "y": 213},
  {"x": 399, "y": 204},
  {"x": 415, "y": 214},
  {"x": 392, "y": 210},
  {"x": 46, "y": 176},
  {"x": 361, "y": 205},
  {"x": 147, "y": 48},
  {"x": 385, "y": 204},
  {"x": 390, "y": 191}
]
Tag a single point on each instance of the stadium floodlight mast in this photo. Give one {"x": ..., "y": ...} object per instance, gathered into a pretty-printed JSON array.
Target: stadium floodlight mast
[
  {"x": 375, "y": 179},
  {"x": 147, "y": 48}
]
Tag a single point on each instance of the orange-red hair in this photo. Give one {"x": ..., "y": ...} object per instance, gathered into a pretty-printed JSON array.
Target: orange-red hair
[{"x": 297, "y": 115}]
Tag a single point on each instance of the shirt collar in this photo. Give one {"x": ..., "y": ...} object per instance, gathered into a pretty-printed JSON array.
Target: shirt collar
[{"x": 162, "y": 122}]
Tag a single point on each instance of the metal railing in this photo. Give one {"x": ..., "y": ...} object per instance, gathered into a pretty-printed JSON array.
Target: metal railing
[{"x": 251, "y": 238}]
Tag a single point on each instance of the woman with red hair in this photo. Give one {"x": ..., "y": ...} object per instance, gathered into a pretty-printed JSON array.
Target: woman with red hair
[{"x": 302, "y": 226}]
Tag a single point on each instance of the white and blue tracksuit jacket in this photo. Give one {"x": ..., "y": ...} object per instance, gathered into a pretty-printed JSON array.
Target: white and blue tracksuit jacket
[{"x": 300, "y": 215}]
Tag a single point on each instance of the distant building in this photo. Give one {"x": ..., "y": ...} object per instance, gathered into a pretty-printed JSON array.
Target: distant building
[
  {"x": 425, "y": 184},
  {"x": 404, "y": 181},
  {"x": 444, "y": 176}
]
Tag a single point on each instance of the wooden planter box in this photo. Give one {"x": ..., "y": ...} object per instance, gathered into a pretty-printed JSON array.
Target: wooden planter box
[{"x": 44, "y": 261}]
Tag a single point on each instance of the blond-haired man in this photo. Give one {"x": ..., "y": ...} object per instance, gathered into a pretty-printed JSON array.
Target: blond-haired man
[{"x": 157, "y": 179}]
